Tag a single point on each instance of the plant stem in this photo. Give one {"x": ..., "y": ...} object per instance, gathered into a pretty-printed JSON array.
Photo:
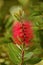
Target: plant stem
[{"x": 22, "y": 55}]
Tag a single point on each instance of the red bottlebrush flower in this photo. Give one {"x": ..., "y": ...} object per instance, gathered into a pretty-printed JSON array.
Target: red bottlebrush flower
[{"x": 22, "y": 32}]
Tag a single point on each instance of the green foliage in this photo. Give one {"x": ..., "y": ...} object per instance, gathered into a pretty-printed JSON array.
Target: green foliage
[
  {"x": 33, "y": 54},
  {"x": 41, "y": 37},
  {"x": 34, "y": 60},
  {"x": 14, "y": 53}
]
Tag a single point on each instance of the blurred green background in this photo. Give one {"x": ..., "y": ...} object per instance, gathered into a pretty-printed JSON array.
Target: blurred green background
[{"x": 34, "y": 12}]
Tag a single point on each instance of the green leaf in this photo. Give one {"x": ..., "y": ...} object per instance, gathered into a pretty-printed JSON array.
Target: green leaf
[
  {"x": 34, "y": 60},
  {"x": 41, "y": 37},
  {"x": 32, "y": 57},
  {"x": 8, "y": 22},
  {"x": 4, "y": 40},
  {"x": 37, "y": 51},
  {"x": 14, "y": 53},
  {"x": 28, "y": 56}
]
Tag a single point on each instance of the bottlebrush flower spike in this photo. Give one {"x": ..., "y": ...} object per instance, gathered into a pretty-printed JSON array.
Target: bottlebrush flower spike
[{"x": 22, "y": 32}]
